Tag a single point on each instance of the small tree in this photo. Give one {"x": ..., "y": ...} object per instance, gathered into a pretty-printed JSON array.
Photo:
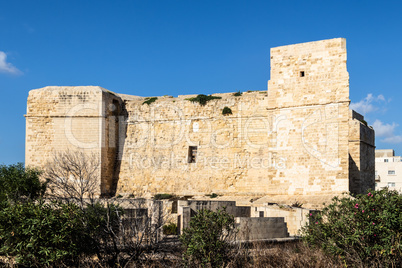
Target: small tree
[
  {"x": 74, "y": 175},
  {"x": 17, "y": 182},
  {"x": 206, "y": 241},
  {"x": 362, "y": 230}
]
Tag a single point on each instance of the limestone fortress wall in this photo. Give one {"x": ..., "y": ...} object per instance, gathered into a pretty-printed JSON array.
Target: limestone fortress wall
[{"x": 298, "y": 140}]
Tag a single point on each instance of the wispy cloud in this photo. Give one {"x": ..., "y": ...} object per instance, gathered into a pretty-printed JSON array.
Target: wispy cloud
[
  {"x": 369, "y": 104},
  {"x": 6, "y": 67},
  {"x": 393, "y": 139},
  {"x": 386, "y": 131},
  {"x": 28, "y": 28}
]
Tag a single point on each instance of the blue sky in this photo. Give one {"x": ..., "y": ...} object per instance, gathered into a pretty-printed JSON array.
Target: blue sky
[{"x": 152, "y": 48}]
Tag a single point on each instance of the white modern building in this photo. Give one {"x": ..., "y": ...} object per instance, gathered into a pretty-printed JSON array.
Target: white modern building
[{"x": 388, "y": 170}]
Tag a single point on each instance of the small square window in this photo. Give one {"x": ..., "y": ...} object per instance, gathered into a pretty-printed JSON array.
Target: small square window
[
  {"x": 391, "y": 172},
  {"x": 385, "y": 160},
  {"x": 302, "y": 73},
  {"x": 192, "y": 154},
  {"x": 391, "y": 184}
]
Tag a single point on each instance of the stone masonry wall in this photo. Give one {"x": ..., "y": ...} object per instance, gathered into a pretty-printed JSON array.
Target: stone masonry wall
[
  {"x": 72, "y": 118},
  {"x": 296, "y": 139}
]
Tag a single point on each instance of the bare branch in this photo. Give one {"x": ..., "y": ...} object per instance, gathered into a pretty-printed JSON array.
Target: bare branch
[{"x": 73, "y": 175}]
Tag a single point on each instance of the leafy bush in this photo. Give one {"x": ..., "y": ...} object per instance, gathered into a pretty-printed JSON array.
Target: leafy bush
[
  {"x": 149, "y": 100},
  {"x": 162, "y": 196},
  {"x": 53, "y": 234},
  {"x": 205, "y": 242},
  {"x": 17, "y": 182},
  {"x": 213, "y": 195},
  {"x": 203, "y": 99},
  {"x": 226, "y": 110},
  {"x": 170, "y": 229},
  {"x": 237, "y": 94},
  {"x": 40, "y": 234},
  {"x": 297, "y": 204},
  {"x": 364, "y": 230}
]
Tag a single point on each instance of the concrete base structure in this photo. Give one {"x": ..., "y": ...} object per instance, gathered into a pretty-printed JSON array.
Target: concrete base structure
[
  {"x": 253, "y": 222},
  {"x": 251, "y": 229}
]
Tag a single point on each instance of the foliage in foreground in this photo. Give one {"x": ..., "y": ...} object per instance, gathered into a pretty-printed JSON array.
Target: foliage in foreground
[
  {"x": 205, "y": 242},
  {"x": 16, "y": 182},
  {"x": 170, "y": 229},
  {"x": 362, "y": 230},
  {"x": 39, "y": 234}
]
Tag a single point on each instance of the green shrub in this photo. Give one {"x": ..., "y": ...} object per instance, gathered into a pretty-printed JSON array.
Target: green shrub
[
  {"x": 203, "y": 99},
  {"x": 237, "y": 94},
  {"x": 149, "y": 100},
  {"x": 205, "y": 242},
  {"x": 213, "y": 195},
  {"x": 162, "y": 196},
  {"x": 169, "y": 229},
  {"x": 297, "y": 204},
  {"x": 17, "y": 182},
  {"x": 40, "y": 234},
  {"x": 226, "y": 111},
  {"x": 362, "y": 231}
]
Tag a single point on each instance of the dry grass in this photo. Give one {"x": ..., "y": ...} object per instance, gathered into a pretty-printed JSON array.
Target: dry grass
[
  {"x": 290, "y": 254},
  {"x": 257, "y": 256},
  {"x": 294, "y": 254}
]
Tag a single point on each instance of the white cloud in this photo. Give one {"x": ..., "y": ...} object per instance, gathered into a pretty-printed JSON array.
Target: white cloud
[
  {"x": 386, "y": 131},
  {"x": 382, "y": 130},
  {"x": 367, "y": 105},
  {"x": 394, "y": 139},
  {"x": 6, "y": 67}
]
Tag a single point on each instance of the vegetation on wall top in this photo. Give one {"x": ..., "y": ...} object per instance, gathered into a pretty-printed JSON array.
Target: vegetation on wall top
[
  {"x": 237, "y": 94},
  {"x": 149, "y": 100},
  {"x": 203, "y": 99}
]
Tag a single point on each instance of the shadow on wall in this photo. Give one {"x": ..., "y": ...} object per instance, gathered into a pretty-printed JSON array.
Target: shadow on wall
[
  {"x": 118, "y": 132},
  {"x": 354, "y": 176}
]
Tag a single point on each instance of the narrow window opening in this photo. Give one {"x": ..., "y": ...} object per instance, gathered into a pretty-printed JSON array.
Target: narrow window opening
[
  {"x": 192, "y": 154},
  {"x": 302, "y": 74},
  {"x": 261, "y": 214}
]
